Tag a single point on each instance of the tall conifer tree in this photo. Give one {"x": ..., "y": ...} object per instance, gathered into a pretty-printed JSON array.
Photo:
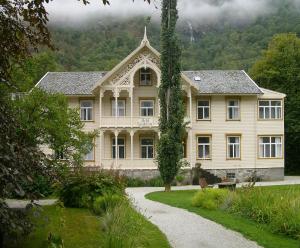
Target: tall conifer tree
[{"x": 170, "y": 94}]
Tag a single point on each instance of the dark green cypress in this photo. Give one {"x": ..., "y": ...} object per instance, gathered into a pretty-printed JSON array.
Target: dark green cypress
[{"x": 170, "y": 94}]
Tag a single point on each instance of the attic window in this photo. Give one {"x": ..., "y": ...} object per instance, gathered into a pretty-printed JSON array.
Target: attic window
[{"x": 197, "y": 78}]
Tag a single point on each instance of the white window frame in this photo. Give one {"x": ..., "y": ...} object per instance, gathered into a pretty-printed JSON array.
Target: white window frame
[
  {"x": 85, "y": 110},
  {"x": 148, "y": 83},
  {"x": 113, "y": 106},
  {"x": 203, "y": 118},
  {"x": 238, "y": 108},
  {"x": 147, "y": 146},
  {"x": 269, "y": 146},
  {"x": 202, "y": 146},
  {"x": 91, "y": 153},
  {"x": 269, "y": 107},
  {"x": 113, "y": 144},
  {"x": 234, "y": 145},
  {"x": 147, "y": 108}
]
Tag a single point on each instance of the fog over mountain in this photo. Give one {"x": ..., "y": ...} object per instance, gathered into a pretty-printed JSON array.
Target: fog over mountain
[{"x": 196, "y": 11}]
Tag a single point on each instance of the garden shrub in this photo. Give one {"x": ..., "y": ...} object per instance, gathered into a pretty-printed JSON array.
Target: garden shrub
[
  {"x": 210, "y": 198},
  {"x": 137, "y": 182},
  {"x": 80, "y": 190},
  {"x": 104, "y": 203}
]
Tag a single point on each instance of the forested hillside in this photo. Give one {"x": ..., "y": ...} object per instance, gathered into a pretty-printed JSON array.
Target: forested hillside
[{"x": 101, "y": 42}]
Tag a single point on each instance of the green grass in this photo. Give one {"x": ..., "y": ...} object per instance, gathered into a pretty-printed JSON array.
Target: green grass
[
  {"x": 250, "y": 229},
  {"x": 81, "y": 229}
]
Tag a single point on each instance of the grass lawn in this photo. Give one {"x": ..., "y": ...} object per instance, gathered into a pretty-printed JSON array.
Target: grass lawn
[
  {"x": 81, "y": 229},
  {"x": 250, "y": 229}
]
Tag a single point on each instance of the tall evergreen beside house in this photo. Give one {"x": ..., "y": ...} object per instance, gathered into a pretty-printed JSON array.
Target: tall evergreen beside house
[{"x": 170, "y": 96}]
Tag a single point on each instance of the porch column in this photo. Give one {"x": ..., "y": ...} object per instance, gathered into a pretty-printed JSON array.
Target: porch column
[
  {"x": 190, "y": 103},
  {"x": 116, "y": 95},
  {"x": 100, "y": 147},
  {"x": 101, "y": 93},
  {"x": 131, "y": 106},
  {"x": 131, "y": 144},
  {"x": 116, "y": 147},
  {"x": 190, "y": 136}
]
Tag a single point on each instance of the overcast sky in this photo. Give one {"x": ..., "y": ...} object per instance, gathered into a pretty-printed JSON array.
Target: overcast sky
[{"x": 202, "y": 11}]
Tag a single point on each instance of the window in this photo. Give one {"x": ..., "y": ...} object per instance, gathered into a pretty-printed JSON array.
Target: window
[
  {"x": 147, "y": 108},
  {"x": 270, "y": 109},
  {"x": 145, "y": 79},
  {"x": 121, "y": 108},
  {"x": 233, "y": 109},
  {"x": 90, "y": 155},
  {"x": 147, "y": 148},
  {"x": 230, "y": 175},
  {"x": 86, "y": 110},
  {"x": 233, "y": 147},
  {"x": 121, "y": 148},
  {"x": 203, "y": 110},
  {"x": 204, "y": 147},
  {"x": 270, "y": 147}
]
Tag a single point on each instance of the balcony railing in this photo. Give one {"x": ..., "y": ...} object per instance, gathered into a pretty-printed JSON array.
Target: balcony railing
[{"x": 125, "y": 121}]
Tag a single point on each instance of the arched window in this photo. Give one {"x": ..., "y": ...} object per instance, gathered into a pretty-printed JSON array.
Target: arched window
[{"x": 145, "y": 77}]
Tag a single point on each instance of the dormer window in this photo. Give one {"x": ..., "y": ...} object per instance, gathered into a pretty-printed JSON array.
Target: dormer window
[{"x": 145, "y": 77}]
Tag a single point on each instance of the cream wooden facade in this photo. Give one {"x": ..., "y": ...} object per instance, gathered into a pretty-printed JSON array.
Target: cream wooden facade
[{"x": 123, "y": 84}]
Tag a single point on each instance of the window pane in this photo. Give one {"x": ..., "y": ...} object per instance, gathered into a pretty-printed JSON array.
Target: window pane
[
  {"x": 276, "y": 103},
  {"x": 89, "y": 114},
  {"x": 261, "y": 150},
  {"x": 267, "y": 113},
  {"x": 261, "y": 113},
  {"x": 206, "y": 113},
  {"x": 144, "y": 112},
  {"x": 237, "y": 151},
  {"x": 265, "y": 139},
  {"x": 278, "y": 113},
  {"x": 86, "y": 103},
  {"x": 273, "y": 113},
  {"x": 264, "y": 103},
  {"x": 203, "y": 103},
  {"x": 231, "y": 152},
  {"x": 233, "y": 103},
  {"x": 121, "y": 152},
  {"x": 267, "y": 150},
  {"x": 200, "y": 151},
  {"x": 203, "y": 140},
  {"x": 200, "y": 113},
  {"x": 278, "y": 151},
  {"x": 150, "y": 151},
  {"x": 150, "y": 112},
  {"x": 206, "y": 151},
  {"x": 144, "y": 152},
  {"x": 147, "y": 141}
]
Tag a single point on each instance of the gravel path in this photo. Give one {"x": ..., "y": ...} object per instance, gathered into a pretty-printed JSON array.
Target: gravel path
[
  {"x": 185, "y": 229},
  {"x": 12, "y": 203}
]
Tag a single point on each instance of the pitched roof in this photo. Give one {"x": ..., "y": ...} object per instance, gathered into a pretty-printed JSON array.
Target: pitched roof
[
  {"x": 211, "y": 82},
  {"x": 70, "y": 83},
  {"x": 223, "y": 82}
]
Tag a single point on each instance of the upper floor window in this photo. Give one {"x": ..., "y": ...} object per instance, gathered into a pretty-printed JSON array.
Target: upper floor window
[
  {"x": 233, "y": 109},
  {"x": 204, "y": 147},
  {"x": 86, "y": 110},
  {"x": 147, "y": 107},
  {"x": 203, "y": 110},
  {"x": 270, "y": 147},
  {"x": 120, "y": 149},
  {"x": 120, "y": 106},
  {"x": 270, "y": 109},
  {"x": 147, "y": 148},
  {"x": 145, "y": 77},
  {"x": 233, "y": 147}
]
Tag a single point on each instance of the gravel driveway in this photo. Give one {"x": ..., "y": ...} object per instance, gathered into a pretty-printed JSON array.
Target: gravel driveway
[{"x": 185, "y": 229}]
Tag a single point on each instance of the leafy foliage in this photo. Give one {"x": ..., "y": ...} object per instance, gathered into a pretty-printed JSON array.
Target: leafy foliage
[
  {"x": 279, "y": 70},
  {"x": 169, "y": 147},
  {"x": 81, "y": 190},
  {"x": 210, "y": 198}
]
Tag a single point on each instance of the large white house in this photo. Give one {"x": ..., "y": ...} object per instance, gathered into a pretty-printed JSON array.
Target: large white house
[{"x": 235, "y": 127}]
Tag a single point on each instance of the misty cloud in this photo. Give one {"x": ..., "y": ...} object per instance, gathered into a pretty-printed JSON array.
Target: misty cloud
[{"x": 199, "y": 11}]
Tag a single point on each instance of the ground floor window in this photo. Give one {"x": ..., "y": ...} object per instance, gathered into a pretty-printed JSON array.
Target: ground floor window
[
  {"x": 204, "y": 147},
  {"x": 270, "y": 146},
  {"x": 90, "y": 155},
  {"x": 121, "y": 148},
  {"x": 147, "y": 148},
  {"x": 233, "y": 147}
]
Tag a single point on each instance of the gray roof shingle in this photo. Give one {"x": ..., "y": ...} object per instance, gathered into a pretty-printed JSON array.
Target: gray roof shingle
[
  {"x": 70, "y": 83},
  {"x": 211, "y": 82},
  {"x": 223, "y": 82}
]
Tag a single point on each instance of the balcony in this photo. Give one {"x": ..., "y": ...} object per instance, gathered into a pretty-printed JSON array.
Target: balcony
[{"x": 125, "y": 121}]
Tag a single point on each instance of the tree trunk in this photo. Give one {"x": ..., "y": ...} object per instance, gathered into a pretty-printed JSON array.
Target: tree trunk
[{"x": 167, "y": 187}]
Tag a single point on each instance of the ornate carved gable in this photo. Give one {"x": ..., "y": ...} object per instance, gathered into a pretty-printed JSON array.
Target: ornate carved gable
[{"x": 122, "y": 77}]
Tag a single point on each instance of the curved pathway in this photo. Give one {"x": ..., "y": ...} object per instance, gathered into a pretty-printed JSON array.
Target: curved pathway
[{"x": 185, "y": 229}]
